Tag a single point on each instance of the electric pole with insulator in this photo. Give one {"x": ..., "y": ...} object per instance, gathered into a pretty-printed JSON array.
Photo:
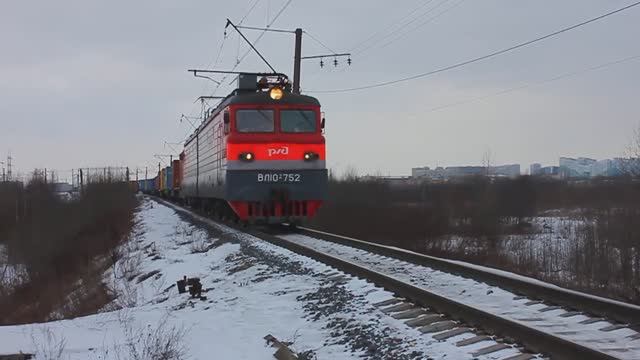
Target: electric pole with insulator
[{"x": 297, "y": 58}]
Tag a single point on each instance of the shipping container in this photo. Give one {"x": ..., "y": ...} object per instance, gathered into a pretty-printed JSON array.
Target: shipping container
[
  {"x": 168, "y": 180},
  {"x": 146, "y": 186},
  {"x": 177, "y": 175},
  {"x": 160, "y": 180}
]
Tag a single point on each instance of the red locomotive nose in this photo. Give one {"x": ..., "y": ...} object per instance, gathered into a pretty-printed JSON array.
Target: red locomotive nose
[{"x": 260, "y": 154}]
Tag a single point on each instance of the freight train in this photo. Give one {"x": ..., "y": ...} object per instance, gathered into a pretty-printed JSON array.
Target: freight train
[{"x": 258, "y": 157}]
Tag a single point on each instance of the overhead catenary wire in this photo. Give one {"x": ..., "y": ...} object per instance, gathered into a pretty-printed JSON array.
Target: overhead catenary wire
[
  {"x": 480, "y": 58},
  {"x": 355, "y": 48},
  {"x": 536, "y": 83},
  {"x": 248, "y": 12},
  {"x": 216, "y": 61},
  {"x": 402, "y": 27},
  {"x": 319, "y": 42},
  {"x": 427, "y": 21}
]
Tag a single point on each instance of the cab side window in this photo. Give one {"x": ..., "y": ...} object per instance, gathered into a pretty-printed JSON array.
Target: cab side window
[{"x": 254, "y": 121}]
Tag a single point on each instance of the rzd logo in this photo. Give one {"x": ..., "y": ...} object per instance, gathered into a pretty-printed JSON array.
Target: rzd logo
[{"x": 283, "y": 150}]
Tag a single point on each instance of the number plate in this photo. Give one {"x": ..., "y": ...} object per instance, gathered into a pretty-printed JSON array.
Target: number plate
[{"x": 279, "y": 177}]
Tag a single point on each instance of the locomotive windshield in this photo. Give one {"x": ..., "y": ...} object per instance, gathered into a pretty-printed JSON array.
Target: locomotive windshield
[
  {"x": 254, "y": 121},
  {"x": 297, "y": 121}
]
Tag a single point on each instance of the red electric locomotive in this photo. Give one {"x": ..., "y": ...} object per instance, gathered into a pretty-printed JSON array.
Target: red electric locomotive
[{"x": 259, "y": 155}]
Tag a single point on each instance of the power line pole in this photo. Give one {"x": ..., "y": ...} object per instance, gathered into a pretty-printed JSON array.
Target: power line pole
[
  {"x": 81, "y": 182},
  {"x": 297, "y": 58},
  {"x": 9, "y": 158},
  {"x": 162, "y": 156}
]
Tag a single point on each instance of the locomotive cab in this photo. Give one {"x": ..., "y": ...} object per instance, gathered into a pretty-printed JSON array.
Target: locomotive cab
[
  {"x": 261, "y": 151},
  {"x": 276, "y": 168}
]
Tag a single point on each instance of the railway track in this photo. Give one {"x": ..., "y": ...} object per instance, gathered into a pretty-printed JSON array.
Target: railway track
[{"x": 448, "y": 298}]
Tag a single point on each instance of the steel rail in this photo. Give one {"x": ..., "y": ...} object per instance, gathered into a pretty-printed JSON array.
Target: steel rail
[
  {"x": 619, "y": 311},
  {"x": 533, "y": 339}
]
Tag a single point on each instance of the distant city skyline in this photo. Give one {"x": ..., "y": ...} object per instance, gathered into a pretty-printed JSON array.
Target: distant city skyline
[{"x": 566, "y": 167}]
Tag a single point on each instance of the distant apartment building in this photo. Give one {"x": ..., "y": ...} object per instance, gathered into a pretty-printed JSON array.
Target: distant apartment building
[
  {"x": 549, "y": 171},
  {"x": 606, "y": 167},
  {"x": 582, "y": 167},
  {"x": 511, "y": 170},
  {"x": 576, "y": 167},
  {"x": 420, "y": 172},
  {"x": 534, "y": 169},
  {"x": 616, "y": 167}
]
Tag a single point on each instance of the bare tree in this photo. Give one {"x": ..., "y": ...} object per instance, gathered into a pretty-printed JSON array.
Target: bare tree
[
  {"x": 487, "y": 161},
  {"x": 350, "y": 174},
  {"x": 631, "y": 165}
]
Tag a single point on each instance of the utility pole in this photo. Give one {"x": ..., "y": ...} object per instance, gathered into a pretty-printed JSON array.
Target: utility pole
[
  {"x": 81, "y": 182},
  {"x": 3, "y": 175},
  {"x": 146, "y": 172},
  {"x": 162, "y": 156},
  {"x": 9, "y": 158},
  {"x": 297, "y": 58}
]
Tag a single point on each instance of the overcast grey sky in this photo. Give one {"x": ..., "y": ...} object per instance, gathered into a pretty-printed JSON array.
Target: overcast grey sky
[{"x": 88, "y": 83}]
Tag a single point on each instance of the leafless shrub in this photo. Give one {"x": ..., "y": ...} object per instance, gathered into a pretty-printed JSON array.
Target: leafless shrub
[
  {"x": 47, "y": 344},
  {"x": 127, "y": 262},
  {"x": 57, "y": 242},
  {"x": 159, "y": 284},
  {"x": 631, "y": 165},
  {"x": 159, "y": 341},
  {"x": 127, "y": 295},
  {"x": 200, "y": 243},
  {"x": 183, "y": 234},
  {"x": 130, "y": 264}
]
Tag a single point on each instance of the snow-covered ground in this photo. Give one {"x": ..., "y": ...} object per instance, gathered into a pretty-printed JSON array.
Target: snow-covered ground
[
  {"x": 602, "y": 335},
  {"x": 252, "y": 289},
  {"x": 546, "y": 249}
]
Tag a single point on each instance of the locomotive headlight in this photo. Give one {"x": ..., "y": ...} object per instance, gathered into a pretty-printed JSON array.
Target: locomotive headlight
[
  {"x": 310, "y": 156},
  {"x": 247, "y": 156},
  {"x": 276, "y": 93}
]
